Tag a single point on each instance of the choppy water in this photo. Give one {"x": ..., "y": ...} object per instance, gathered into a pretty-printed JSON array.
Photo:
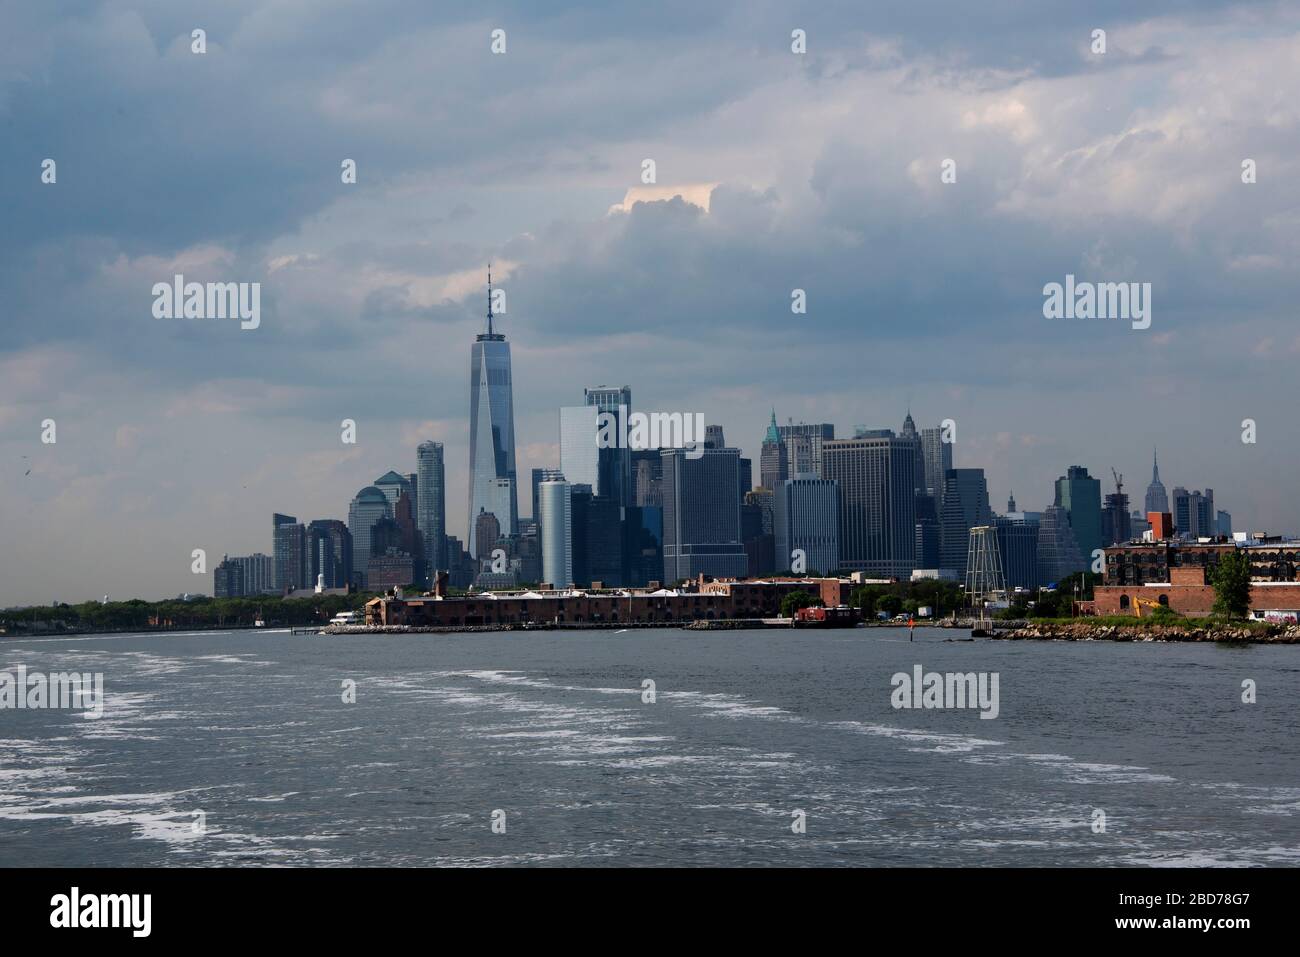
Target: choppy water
[{"x": 250, "y": 729}]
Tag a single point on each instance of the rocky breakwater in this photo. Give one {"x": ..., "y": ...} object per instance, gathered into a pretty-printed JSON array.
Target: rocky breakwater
[{"x": 1184, "y": 631}]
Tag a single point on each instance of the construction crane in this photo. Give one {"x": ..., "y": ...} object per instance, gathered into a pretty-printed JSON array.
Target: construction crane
[
  {"x": 1139, "y": 602},
  {"x": 1119, "y": 481}
]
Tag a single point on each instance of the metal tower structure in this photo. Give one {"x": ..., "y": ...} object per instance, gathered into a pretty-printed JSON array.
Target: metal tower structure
[{"x": 984, "y": 578}]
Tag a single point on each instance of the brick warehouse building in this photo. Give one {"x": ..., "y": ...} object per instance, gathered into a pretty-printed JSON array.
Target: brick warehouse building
[
  {"x": 708, "y": 600},
  {"x": 1177, "y": 575}
]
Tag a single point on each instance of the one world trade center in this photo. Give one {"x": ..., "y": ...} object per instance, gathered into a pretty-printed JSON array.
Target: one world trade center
[{"x": 492, "y": 485}]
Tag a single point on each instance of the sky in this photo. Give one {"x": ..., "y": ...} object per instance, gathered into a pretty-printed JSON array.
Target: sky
[{"x": 774, "y": 171}]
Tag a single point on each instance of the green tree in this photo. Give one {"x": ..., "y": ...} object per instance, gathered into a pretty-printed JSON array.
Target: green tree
[
  {"x": 1231, "y": 581},
  {"x": 796, "y": 600}
]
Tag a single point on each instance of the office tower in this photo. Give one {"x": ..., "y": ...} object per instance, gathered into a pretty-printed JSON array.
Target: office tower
[
  {"x": 1157, "y": 500},
  {"x": 713, "y": 437},
  {"x": 746, "y": 476},
  {"x": 579, "y": 454},
  {"x": 486, "y": 532},
  {"x": 540, "y": 476},
  {"x": 1138, "y": 525},
  {"x": 909, "y": 432},
  {"x": 491, "y": 428},
  {"x": 1011, "y": 503},
  {"x": 1080, "y": 495},
  {"x": 602, "y": 532},
  {"x": 368, "y": 507},
  {"x": 928, "y": 531},
  {"x": 758, "y": 526},
  {"x": 579, "y": 507},
  {"x": 964, "y": 504},
  {"x": 258, "y": 573},
  {"x": 1018, "y": 546},
  {"x": 1224, "y": 523},
  {"x": 530, "y": 552},
  {"x": 1116, "y": 523},
  {"x": 431, "y": 503},
  {"x": 643, "y": 536},
  {"x": 502, "y": 502},
  {"x": 815, "y": 434},
  {"x": 701, "y": 514},
  {"x": 614, "y": 465},
  {"x": 228, "y": 579},
  {"x": 937, "y": 456},
  {"x": 329, "y": 552},
  {"x": 798, "y": 453},
  {"x": 647, "y": 471},
  {"x": 1194, "y": 513},
  {"x": 290, "y": 550},
  {"x": 773, "y": 464},
  {"x": 876, "y": 474},
  {"x": 556, "y": 526},
  {"x": 1058, "y": 548},
  {"x": 392, "y": 485},
  {"x": 807, "y": 518}
]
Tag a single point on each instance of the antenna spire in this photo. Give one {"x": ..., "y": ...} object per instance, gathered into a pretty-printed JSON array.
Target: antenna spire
[{"x": 489, "y": 315}]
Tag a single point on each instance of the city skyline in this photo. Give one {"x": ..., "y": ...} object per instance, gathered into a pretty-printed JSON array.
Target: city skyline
[{"x": 779, "y": 173}]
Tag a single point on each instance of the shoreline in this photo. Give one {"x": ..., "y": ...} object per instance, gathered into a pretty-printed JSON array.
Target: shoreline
[{"x": 1218, "y": 633}]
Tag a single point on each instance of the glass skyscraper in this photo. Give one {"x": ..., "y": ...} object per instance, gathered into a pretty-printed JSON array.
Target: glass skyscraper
[
  {"x": 491, "y": 429},
  {"x": 431, "y": 504}
]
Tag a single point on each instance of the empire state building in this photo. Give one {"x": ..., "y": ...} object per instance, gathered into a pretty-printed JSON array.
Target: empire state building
[{"x": 492, "y": 484}]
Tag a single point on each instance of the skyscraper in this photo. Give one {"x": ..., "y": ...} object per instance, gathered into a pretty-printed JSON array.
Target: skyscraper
[
  {"x": 807, "y": 518},
  {"x": 799, "y": 436},
  {"x": 1018, "y": 545},
  {"x": 491, "y": 427},
  {"x": 964, "y": 505},
  {"x": 701, "y": 514},
  {"x": 540, "y": 476},
  {"x": 329, "y": 553},
  {"x": 368, "y": 507},
  {"x": 937, "y": 455},
  {"x": 909, "y": 432},
  {"x": 1058, "y": 549},
  {"x": 1157, "y": 499},
  {"x": 579, "y": 454},
  {"x": 1080, "y": 495},
  {"x": 431, "y": 503},
  {"x": 556, "y": 528},
  {"x": 290, "y": 551},
  {"x": 614, "y": 465},
  {"x": 392, "y": 485},
  {"x": 876, "y": 474},
  {"x": 773, "y": 463}
]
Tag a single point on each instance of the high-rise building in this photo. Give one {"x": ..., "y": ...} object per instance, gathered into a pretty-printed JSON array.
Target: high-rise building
[
  {"x": 556, "y": 527},
  {"x": 393, "y": 485},
  {"x": 1116, "y": 523},
  {"x": 876, "y": 474},
  {"x": 713, "y": 437},
  {"x": 290, "y": 540},
  {"x": 773, "y": 462},
  {"x": 647, "y": 476},
  {"x": 579, "y": 454},
  {"x": 369, "y": 506},
  {"x": 964, "y": 505},
  {"x": 614, "y": 465},
  {"x": 815, "y": 433},
  {"x": 807, "y": 518},
  {"x": 329, "y": 553},
  {"x": 487, "y": 530},
  {"x": 1224, "y": 523},
  {"x": 928, "y": 532},
  {"x": 757, "y": 525},
  {"x": 227, "y": 579},
  {"x": 431, "y": 503},
  {"x": 1157, "y": 500},
  {"x": 909, "y": 432},
  {"x": 491, "y": 428},
  {"x": 1194, "y": 513},
  {"x": 1080, "y": 495},
  {"x": 937, "y": 456},
  {"x": 643, "y": 536},
  {"x": 1018, "y": 545},
  {"x": 701, "y": 514},
  {"x": 1058, "y": 548},
  {"x": 540, "y": 476}
]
